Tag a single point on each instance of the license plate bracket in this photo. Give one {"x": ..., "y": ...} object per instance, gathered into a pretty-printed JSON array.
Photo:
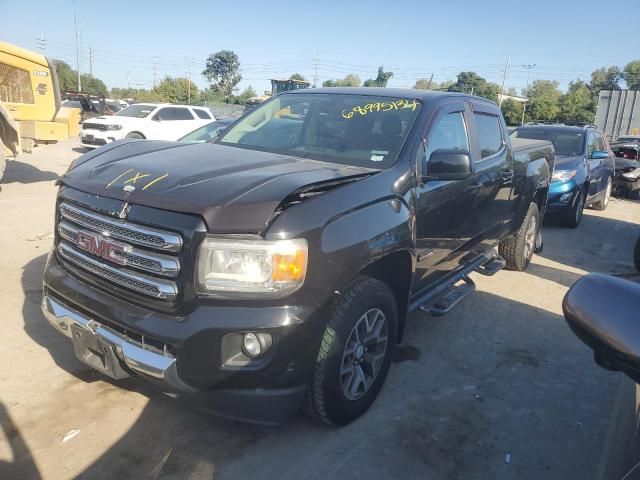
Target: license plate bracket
[{"x": 97, "y": 352}]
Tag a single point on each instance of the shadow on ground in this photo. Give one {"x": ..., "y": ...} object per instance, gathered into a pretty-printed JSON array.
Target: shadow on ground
[
  {"x": 474, "y": 391},
  {"x": 21, "y": 172}
]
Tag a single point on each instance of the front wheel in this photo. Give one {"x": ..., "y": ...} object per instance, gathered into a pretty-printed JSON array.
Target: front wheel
[
  {"x": 575, "y": 213},
  {"x": 135, "y": 135},
  {"x": 518, "y": 249},
  {"x": 602, "y": 204},
  {"x": 355, "y": 353}
]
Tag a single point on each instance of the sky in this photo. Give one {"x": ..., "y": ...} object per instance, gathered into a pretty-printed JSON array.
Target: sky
[{"x": 130, "y": 40}]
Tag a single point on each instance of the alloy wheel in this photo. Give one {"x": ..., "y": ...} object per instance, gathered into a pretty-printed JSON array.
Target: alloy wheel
[
  {"x": 364, "y": 354},
  {"x": 530, "y": 238}
]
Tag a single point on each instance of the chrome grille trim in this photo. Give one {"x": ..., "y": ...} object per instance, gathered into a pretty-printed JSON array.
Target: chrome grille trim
[
  {"x": 150, "y": 262},
  {"x": 152, "y": 287},
  {"x": 139, "y": 235}
]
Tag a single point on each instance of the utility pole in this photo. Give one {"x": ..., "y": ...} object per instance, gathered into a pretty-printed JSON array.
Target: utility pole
[
  {"x": 155, "y": 71},
  {"x": 42, "y": 43},
  {"x": 75, "y": 21},
  {"x": 90, "y": 61},
  {"x": 129, "y": 79},
  {"x": 315, "y": 76},
  {"x": 430, "y": 82},
  {"x": 188, "y": 81},
  {"x": 524, "y": 106},
  {"x": 504, "y": 79}
]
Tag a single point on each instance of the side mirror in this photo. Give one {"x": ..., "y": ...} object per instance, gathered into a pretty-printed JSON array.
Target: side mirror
[
  {"x": 599, "y": 154},
  {"x": 448, "y": 165},
  {"x": 612, "y": 333},
  {"x": 157, "y": 118}
]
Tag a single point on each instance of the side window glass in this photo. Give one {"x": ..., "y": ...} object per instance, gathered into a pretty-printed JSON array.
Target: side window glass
[
  {"x": 182, "y": 114},
  {"x": 202, "y": 114},
  {"x": 600, "y": 142},
  {"x": 449, "y": 133},
  {"x": 165, "y": 114},
  {"x": 593, "y": 143},
  {"x": 489, "y": 134},
  {"x": 15, "y": 85}
]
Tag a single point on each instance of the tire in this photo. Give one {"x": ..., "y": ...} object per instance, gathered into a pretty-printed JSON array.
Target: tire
[
  {"x": 327, "y": 396},
  {"x": 518, "y": 249},
  {"x": 574, "y": 216},
  {"x": 135, "y": 135},
  {"x": 634, "y": 194},
  {"x": 604, "y": 203},
  {"x": 636, "y": 255}
]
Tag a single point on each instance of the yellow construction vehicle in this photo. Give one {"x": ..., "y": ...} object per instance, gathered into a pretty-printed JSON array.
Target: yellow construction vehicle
[{"x": 30, "y": 95}]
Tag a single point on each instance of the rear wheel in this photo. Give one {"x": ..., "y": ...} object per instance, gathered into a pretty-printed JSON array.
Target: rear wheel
[
  {"x": 575, "y": 213},
  {"x": 355, "y": 353},
  {"x": 602, "y": 204},
  {"x": 518, "y": 249}
]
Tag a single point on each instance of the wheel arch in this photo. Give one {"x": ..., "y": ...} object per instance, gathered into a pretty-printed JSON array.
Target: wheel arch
[{"x": 394, "y": 270}]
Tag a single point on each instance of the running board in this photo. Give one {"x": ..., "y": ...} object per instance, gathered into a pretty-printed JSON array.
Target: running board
[
  {"x": 450, "y": 299},
  {"x": 493, "y": 266}
]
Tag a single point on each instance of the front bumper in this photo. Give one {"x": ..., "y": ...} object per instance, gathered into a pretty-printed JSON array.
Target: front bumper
[
  {"x": 95, "y": 138},
  {"x": 562, "y": 196},
  {"x": 183, "y": 354}
]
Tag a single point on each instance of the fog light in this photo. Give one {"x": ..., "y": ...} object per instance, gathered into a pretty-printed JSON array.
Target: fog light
[
  {"x": 566, "y": 197},
  {"x": 252, "y": 346}
]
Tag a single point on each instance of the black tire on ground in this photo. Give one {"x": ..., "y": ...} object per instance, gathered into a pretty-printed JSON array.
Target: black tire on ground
[
  {"x": 574, "y": 215},
  {"x": 634, "y": 194},
  {"x": 517, "y": 250},
  {"x": 134, "y": 135},
  {"x": 604, "y": 203},
  {"x": 636, "y": 255},
  {"x": 325, "y": 398}
]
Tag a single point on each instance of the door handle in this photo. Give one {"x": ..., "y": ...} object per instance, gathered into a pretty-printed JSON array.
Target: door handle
[{"x": 474, "y": 187}]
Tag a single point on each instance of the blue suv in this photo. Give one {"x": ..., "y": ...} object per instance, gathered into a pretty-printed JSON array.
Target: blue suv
[{"x": 584, "y": 168}]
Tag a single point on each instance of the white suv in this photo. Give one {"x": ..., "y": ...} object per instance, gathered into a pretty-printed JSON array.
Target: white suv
[{"x": 144, "y": 120}]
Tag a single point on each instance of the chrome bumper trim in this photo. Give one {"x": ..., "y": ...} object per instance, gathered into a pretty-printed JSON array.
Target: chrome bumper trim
[{"x": 134, "y": 356}]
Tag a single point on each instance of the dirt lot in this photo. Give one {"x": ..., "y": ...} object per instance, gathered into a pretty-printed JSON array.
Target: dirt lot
[{"x": 498, "y": 389}]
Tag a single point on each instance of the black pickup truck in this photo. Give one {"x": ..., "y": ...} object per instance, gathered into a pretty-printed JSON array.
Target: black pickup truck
[{"x": 275, "y": 266}]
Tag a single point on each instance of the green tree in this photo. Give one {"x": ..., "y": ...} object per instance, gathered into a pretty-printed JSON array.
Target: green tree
[
  {"x": 67, "y": 77},
  {"x": 93, "y": 85},
  {"x": 381, "y": 80},
  {"x": 426, "y": 84},
  {"x": 350, "y": 80},
  {"x": 631, "y": 75},
  {"x": 512, "y": 111},
  {"x": 222, "y": 71},
  {"x": 605, "y": 79},
  {"x": 543, "y": 101},
  {"x": 577, "y": 104},
  {"x": 297, "y": 76},
  {"x": 176, "y": 90},
  {"x": 471, "y": 82}
]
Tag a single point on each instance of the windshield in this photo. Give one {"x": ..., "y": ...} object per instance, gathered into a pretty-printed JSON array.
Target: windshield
[
  {"x": 206, "y": 133},
  {"x": 565, "y": 143},
  {"x": 359, "y": 130},
  {"x": 138, "y": 111}
]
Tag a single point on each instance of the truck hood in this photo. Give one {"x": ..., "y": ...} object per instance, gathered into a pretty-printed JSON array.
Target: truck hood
[{"x": 235, "y": 190}]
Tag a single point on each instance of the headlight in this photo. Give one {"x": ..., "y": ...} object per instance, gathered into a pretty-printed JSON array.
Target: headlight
[
  {"x": 632, "y": 174},
  {"x": 114, "y": 127},
  {"x": 229, "y": 267},
  {"x": 563, "y": 175}
]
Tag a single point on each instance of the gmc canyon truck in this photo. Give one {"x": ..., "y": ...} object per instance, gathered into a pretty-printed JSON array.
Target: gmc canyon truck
[{"x": 275, "y": 266}]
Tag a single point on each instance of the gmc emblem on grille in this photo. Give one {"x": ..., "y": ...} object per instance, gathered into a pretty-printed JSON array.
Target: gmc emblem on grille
[{"x": 102, "y": 247}]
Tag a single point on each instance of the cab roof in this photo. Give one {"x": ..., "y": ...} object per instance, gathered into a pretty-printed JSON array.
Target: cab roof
[{"x": 412, "y": 93}]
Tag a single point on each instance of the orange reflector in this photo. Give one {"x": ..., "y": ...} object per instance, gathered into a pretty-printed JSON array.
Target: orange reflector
[{"x": 289, "y": 267}]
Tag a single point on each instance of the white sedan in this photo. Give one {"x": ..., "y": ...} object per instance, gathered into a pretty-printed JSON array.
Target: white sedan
[{"x": 144, "y": 120}]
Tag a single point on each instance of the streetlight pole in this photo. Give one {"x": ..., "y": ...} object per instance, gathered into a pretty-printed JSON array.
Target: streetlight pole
[{"x": 524, "y": 106}]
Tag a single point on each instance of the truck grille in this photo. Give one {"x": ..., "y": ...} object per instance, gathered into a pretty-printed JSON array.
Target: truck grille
[{"x": 119, "y": 252}]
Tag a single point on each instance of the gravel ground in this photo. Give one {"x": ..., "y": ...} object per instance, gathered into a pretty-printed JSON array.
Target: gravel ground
[{"x": 499, "y": 388}]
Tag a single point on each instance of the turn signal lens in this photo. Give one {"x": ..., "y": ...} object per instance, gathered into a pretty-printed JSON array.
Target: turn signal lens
[{"x": 289, "y": 267}]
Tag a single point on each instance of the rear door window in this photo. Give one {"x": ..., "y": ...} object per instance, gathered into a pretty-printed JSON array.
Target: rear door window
[
  {"x": 489, "y": 134},
  {"x": 202, "y": 114},
  {"x": 183, "y": 114}
]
